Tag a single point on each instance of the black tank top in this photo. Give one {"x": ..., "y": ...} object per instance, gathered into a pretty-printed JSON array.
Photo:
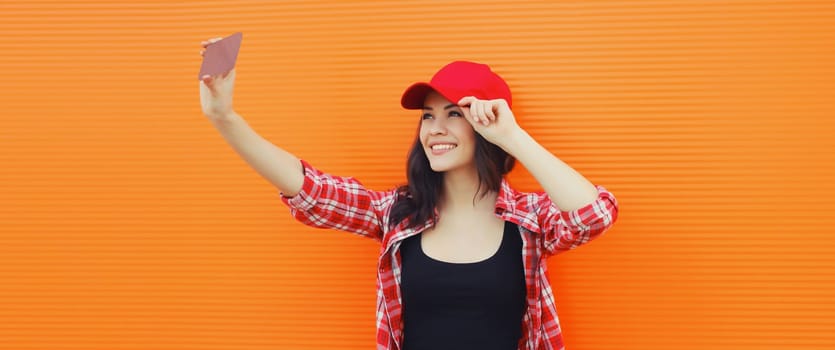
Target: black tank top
[{"x": 463, "y": 305}]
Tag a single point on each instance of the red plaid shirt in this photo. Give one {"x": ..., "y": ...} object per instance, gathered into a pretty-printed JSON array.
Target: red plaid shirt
[{"x": 327, "y": 201}]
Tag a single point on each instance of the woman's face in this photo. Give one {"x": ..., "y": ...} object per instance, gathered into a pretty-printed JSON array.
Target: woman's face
[{"x": 448, "y": 139}]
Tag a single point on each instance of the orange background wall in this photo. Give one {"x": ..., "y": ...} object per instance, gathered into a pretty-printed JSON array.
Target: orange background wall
[{"x": 126, "y": 222}]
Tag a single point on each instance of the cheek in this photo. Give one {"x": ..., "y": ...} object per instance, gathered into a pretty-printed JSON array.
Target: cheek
[
  {"x": 467, "y": 135},
  {"x": 422, "y": 134}
]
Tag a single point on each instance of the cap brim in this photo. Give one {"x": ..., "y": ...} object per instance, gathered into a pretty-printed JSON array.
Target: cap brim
[{"x": 414, "y": 96}]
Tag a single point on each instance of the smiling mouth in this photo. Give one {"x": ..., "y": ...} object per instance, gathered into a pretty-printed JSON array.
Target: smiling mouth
[{"x": 442, "y": 148}]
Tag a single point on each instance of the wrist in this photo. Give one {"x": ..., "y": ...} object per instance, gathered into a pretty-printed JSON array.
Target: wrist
[
  {"x": 226, "y": 121},
  {"x": 515, "y": 140},
  {"x": 226, "y": 117}
]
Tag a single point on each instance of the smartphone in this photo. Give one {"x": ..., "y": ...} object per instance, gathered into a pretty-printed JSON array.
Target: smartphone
[{"x": 220, "y": 55}]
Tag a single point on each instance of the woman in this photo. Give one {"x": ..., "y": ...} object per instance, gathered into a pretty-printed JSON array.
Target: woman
[{"x": 462, "y": 259}]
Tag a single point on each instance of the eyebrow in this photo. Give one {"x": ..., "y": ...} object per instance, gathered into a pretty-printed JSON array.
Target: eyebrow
[{"x": 451, "y": 105}]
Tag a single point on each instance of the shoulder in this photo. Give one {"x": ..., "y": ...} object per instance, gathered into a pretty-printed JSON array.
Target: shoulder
[{"x": 518, "y": 200}]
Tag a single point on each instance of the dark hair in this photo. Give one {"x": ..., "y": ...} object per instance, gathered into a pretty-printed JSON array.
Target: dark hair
[{"x": 416, "y": 200}]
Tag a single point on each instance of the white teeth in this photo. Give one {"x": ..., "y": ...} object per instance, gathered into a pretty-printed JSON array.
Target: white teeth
[{"x": 443, "y": 147}]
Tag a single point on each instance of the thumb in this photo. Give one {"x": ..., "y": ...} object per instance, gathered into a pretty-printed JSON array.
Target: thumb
[{"x": 209, "y": 82}]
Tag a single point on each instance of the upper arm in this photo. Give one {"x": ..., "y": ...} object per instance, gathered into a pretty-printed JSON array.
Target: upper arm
[
  {"x": 566, "y": 230},
  {"x": 342, "y": 203}
]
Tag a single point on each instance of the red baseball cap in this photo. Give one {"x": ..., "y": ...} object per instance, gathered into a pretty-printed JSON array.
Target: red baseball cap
[{"x": 457, "y": 80}]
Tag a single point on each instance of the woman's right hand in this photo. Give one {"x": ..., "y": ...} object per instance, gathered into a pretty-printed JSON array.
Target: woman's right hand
[{"x": 216, "y": 91}]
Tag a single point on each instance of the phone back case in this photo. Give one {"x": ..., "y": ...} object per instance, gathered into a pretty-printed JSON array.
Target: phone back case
[{"x": 221, "y": 55}]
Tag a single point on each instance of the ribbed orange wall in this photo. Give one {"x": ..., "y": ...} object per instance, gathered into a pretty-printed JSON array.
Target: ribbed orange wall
[{"x": 126, "y": 222}]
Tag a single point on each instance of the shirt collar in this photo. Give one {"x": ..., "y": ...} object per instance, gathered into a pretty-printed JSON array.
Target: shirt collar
[{"x": 504, "y": 201}]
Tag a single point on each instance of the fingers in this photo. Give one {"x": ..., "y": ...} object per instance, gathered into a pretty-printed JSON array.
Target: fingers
[
  {"x": 475, "y": 109},
  {"x": 481, "y": 111},
  {"x": 206, "y": 43},
  {"x": 488, "y": 111},
  {"x": 211, "y": 80},
  {"x": 466, "y": 101},
  {"x": 210, "y": 41},
  {"x": 208, "y": 81}
]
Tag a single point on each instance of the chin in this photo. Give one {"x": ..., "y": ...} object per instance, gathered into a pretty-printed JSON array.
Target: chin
[
  {"x": 438, "y": 168},
  {"x": 444, "y": 166},
  {"x": 441, "y": 165}
]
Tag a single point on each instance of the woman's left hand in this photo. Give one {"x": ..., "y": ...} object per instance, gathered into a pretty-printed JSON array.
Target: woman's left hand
[{"x": 492, "y": 119}]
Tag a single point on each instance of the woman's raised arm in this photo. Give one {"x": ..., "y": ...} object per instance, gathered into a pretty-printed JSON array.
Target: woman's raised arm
[{"x": 279, "y": 167}]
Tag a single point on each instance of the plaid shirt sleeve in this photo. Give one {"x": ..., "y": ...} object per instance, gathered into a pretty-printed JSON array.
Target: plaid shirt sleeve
[
  {"x": 566, "y": 230},
  {"x": 342, "y": 203}
]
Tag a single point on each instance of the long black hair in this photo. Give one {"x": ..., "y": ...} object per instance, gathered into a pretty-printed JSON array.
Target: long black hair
[{"x": 416, "y": 200}]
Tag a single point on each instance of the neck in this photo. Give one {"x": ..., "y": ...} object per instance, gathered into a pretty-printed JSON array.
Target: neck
[{"x": 460, "y": 192}]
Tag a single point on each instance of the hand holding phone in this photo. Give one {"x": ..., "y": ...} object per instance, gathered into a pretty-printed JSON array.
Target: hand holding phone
[
  {"x": 218, "y": 63},
  {"x": 220, "y": 56}
]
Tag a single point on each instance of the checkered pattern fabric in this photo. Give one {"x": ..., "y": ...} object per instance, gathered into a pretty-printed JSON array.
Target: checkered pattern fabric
[{"x": 342, "y": 203}]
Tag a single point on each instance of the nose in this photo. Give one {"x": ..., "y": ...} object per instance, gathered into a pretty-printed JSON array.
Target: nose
[{"x": 437, "y": 126}]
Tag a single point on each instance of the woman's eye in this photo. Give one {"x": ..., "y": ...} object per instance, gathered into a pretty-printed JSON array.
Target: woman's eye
[
  {"x": 455, "y": 114},
  {"x": 426, "y": 116}
]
